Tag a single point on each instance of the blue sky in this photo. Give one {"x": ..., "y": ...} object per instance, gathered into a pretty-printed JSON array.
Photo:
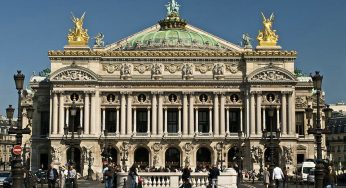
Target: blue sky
[{"x": 314, "y": 28}]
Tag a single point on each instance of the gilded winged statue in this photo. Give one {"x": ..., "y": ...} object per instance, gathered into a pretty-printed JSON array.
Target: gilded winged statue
[
  {"x": 267, "y": 36},
  {"x": 78, "y": 35}
]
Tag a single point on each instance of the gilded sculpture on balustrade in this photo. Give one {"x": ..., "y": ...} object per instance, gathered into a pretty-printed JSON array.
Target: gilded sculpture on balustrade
[
  {"x": 78, "y": 35},
  {"x": 267, "y": 36}
]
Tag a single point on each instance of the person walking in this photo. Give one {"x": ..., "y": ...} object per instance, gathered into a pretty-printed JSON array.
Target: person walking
[
  {"x": 132, "y": 177},
  {"x": 214, "y": 172},
  {"x": 278, "y": 176},
  {"x": 329, "y": 179},
  {"x": 62, "y": 176},
  {"x": 71, "y": 176},
  {"x": 107, "y": 176},
  {"x": 52, "y": 175},
  {"x": 266, "y": 177},
  {"x": 186, "y": 177}
]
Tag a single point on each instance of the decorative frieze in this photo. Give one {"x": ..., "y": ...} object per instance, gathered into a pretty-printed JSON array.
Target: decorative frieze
[
  {"x": 233, "y": 67},
  {"x": 74, "y": 75},
  {"x": 271, "y": 75},
  {"x": 110, "y": 68},
  {"x": 141, "y": 68},
  {"x": 203, "y": 68},
  {"x": 173, "y": 67}
]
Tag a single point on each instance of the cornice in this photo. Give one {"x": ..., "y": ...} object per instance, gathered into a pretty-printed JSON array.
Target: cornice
[{"x": 70, "y": 53}]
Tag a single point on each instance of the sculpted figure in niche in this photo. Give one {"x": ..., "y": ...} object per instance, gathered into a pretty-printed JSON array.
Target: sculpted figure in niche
[
  {"x": 187, "y": 70},
  {"x": 157, "y": 69},
  {"x": 218, "y": 69},
  {"x": 126, "y": 69}
]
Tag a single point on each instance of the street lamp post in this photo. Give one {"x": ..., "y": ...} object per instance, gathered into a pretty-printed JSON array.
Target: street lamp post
[
  {"x": 72, "y": 142},
  {"x": 317, "y": 131},
  {"x": 17, "y": 167},
  {"x": 272, "y": 145},
  {"x": 105, "y": 153}
]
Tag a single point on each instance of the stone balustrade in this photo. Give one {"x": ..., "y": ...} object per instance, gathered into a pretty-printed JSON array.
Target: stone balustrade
[{"x": 226, "y": 179}]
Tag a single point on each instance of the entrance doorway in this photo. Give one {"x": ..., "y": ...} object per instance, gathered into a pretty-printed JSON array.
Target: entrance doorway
[{"x": 76, "y": 158}]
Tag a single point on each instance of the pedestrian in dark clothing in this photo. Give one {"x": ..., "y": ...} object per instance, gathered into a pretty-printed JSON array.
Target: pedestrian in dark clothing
[
  {"x": 186, "y": 177},
  {"x": 214, "y": 172},
  {"x": 52, "y": 176},
  {"x": 329, "y": 180}
]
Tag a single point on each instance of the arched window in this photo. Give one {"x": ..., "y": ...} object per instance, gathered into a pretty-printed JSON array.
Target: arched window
[
  {"x": 142, "y": 157},
  {"x": 172, "y": 158},
  {"x": 203, "y": 157}
]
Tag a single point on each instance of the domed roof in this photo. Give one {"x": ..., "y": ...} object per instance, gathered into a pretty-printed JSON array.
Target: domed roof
[
  {"x": 174, "y": 38},
  {"x": 172, "y": 35}
]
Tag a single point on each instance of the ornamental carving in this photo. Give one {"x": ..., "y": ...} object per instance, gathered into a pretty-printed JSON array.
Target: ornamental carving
[
  {"x": 110, "y": 68},
  {"x": 233, "y": 67},
  {"x": 172, "y": 99},
  {"x": 188, "y": 147},
  {"x": 156, "y": 69},
  {"x": 218, "y": 69},
  {"x": 126, "y": 70},
  {"x": 272, "y": 75},
  {"x": 187, "y": 71},
  {"x": 141, "y": 68},
  {"x": 172, "y": 68},
  {"x": 74, "y": 75},
  {"x": 288, "y": 154},
  {"x": 157, "y": 147},
  {"x": 203, "y": 68},
  {"x": 301, "y": 102}
]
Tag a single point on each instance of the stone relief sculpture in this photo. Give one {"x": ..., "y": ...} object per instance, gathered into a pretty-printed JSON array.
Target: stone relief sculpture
[
  {"x": 156, "y": 69},
  {"x": 110, "y": 68},
  {"x": 126, "y": 70},
  {"x": 270, "y": 75},
  {"x": 288, "y": 154},
  {"x": 218, "y": 69},
  {"x": 187, "y": 71},
  {"x": 99, "y": 40},
  {"x": 55, "y": 153},
  {"x": 72, "y": 75},
  {"x": 254, "y": 153}
]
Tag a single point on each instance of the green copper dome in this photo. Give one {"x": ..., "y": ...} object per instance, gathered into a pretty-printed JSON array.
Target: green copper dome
[
  {"x": 174, "y": 38},
  {"x": 172, "y": 35}
]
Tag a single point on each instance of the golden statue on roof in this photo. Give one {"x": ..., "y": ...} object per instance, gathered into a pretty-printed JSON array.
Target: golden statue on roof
[
  {"x": 267, "y": 36},
  {"x": 78, "y": 36}
]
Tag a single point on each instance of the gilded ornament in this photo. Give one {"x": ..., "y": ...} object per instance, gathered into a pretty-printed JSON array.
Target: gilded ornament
[
  {"x": 78, "y": 36},
  {"x": 267, "y": 36}
]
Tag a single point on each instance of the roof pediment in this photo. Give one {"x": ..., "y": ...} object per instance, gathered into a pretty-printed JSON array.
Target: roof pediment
[
  {"x": 271, "y": 73},
  {"x": 73, "y": 73},
  {"x": 190, "y": 38}
]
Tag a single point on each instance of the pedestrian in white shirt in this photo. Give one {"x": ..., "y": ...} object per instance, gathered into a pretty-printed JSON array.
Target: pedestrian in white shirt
[{"x": 278, "y": 176}]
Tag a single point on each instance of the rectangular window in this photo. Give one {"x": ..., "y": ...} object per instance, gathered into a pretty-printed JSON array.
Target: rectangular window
[
  {"x": 44, "y": 122},
  {"x": 111, "y": 120},
  {"x": 203, "y": 120},
  {"x": 271, "y": 122},
  {"x": 300, "y": 123},
  {"x": 142, "y": 120},
  {"x": 234, "y": 120},
  {"x": 74, "y": 121},
  {"x": 172, "y": 120}
]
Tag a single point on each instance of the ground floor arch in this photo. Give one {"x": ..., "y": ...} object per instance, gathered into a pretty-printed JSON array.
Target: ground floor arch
[
  {"x": 141, "y": 157},
  {"x": 203, "y": 157},
  {"x": 232, "y": 156},
  {"x": 172, "y": 158},
  {"x": 268, "y": 158},
  {"x": 76, "y": 158}
]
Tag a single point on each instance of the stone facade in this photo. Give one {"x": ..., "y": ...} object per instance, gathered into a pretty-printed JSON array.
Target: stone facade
[{"x": 186, "y": 105}]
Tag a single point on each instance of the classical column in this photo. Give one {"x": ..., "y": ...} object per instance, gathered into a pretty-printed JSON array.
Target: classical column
[
  {"x": 51, "y": 112},
  {"x": 185, "y": 115},
  {"x": 129, "y": 114},
  {"x": 216, "y": 114},
  {"x": 252, "y": 114},
  {"x": 93, "y": 114},
  {"x": 227, "y": 120},
  {"x": 210, "y": 121},
  {"x": 98, "y": 112},
  {"x": 103, "y": 119},
  {"x": 123, "y": 114},
  {"x": 154, "y": 114},
  {"x": 241, "y": 119},
  {"x": 291, "y": 113},
  {"x": 191, "y": 115},
  {"x": 148, "y": 125},
  {"x": 87, "y": 112},
  {"x": 67, "y": 113},
  {"x": 278, "y": 118},
  {"x": 247, "y": 102},
  {"x": 166, "y": 126},
  {"x": 283, "y": 113},
  {"x": 81, "y": 117},
  {"x": 134, "y": 120},
  {"x": 61, "y": 113},
  {"x": 55, "y": 113},
  {"x": 179, "y": 120},
  {"x": 160, "y": 115},
  {"x": 264, "y": 118},
  {"x": 222, "y": 114},
  {"x": 259, "y": 104},
  {"x": 117, "y": 126},
  {"x": 196, "y": 122}
]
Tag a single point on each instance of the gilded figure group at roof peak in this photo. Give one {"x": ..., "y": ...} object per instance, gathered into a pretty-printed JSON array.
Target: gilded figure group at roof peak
[
  {"x": 78, "y": 36},
  {"x": 267, "y": 36}
]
